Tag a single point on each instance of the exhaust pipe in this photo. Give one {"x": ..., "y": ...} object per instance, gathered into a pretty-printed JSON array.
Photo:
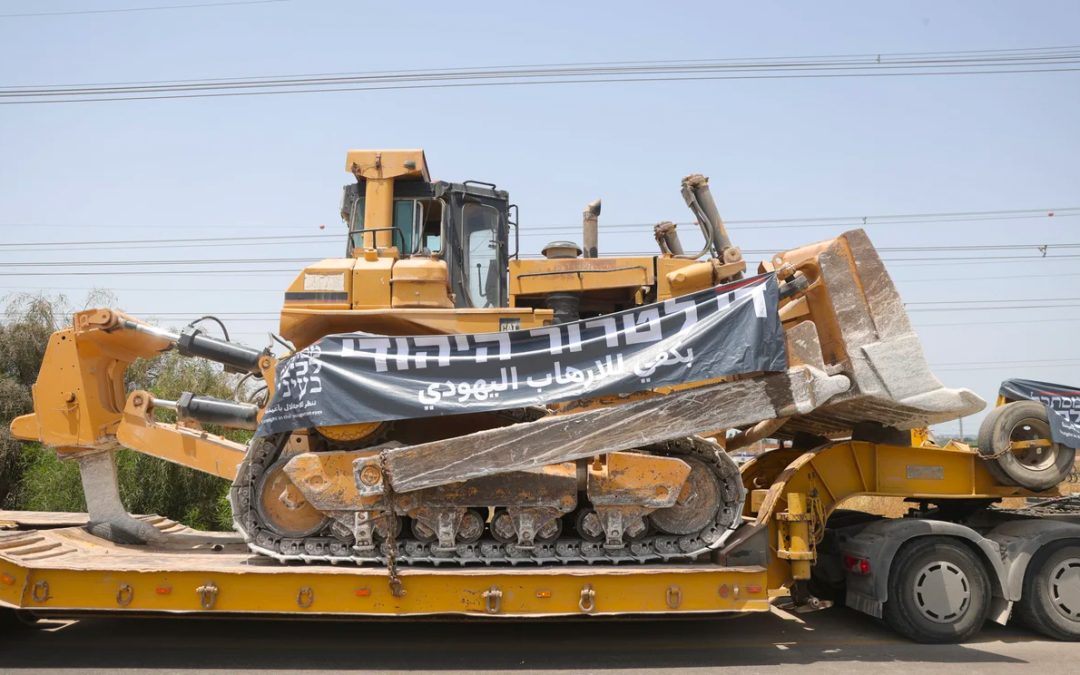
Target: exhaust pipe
[{"x": 590, "y": 228}]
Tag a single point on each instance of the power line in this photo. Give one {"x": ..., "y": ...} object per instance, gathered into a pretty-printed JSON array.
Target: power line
[
  {"x": 112, "y": 289},
  {"x": 916, "y": 64},
  {"x": 997, "y": 301},
  {"x": 190, "y": 261},
  {"x": 309, "y": 260},
  {"x": 740, "y": 224},
  {"x": 153, "y": 273},
  {"x": 179, "y": 289},
  {"x": 539, "y": 83},
  {"x": 986, "y": 278},
  {"x": 135, "y": 226},
  {"x": 986, "y": 309},
  {"x": 254, "y": 242},
  {"x": 232, "y": 313},
  {"x": 1025, "y": 322},
  {"x": 1063, "y": 359},
  {"x": 987, "y": 260},
  {"x": 122, "y": 10},
  {"x": 1047, "y": 56},
  {"x": 226, "y": 242},
  {"x": 183, "y": 314},
  {"x": 934, "y": 260},
  {"x": 876, "y": 55},
  {"x": 1006, "y": 364},
  {"x": 850, "y": 221},
  {"x": 244, "y": 238},
  {"x": 151, "y": 244},
  {"x": 261, "y": 272}
]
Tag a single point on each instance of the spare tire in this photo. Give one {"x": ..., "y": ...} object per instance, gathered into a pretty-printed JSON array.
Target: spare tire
[
  {"x": 1038, "y": 467},
  {"x": 995, "y": 470}
]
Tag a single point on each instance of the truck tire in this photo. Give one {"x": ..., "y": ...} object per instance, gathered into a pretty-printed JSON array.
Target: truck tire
[
  {"x": 995, "y": 470},
  {"x": 1050, "y": 600},
  {"x": 1036, "y": 468},
  {"x": 938, "y": 591}
]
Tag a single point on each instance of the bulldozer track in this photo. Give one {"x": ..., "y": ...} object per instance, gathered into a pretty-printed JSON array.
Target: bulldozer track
[{"x": 328, "y": 548}]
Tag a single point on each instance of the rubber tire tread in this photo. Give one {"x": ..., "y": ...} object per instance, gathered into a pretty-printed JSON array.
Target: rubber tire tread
[
  {"x": 904, "y": 618},
  {"x": 983, "y": 440},
  {"x": 1035, "y": 609},
  {"x": 994, "y": 435}
]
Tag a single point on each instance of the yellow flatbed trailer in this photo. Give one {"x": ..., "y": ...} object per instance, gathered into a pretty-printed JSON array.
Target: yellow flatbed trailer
[
  {"x": 51, "y": 566},
  {"x": 49, "y": 569}
]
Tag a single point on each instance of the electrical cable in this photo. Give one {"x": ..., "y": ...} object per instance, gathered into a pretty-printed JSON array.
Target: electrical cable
[
  {"x": 915, "y": 64},
  {"x": 124, "y": 10}
]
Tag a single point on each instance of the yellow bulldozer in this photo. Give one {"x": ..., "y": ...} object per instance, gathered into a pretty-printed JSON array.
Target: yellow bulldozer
[{"x": 447, "y": 401}]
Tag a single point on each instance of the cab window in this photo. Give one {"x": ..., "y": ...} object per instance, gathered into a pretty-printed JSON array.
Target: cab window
[
  {"x": 430, "y": 227},
  {"x": 408, "y": 213},
  {"x": 480, "y": 230},
  {"x": 404, "y": 223}
]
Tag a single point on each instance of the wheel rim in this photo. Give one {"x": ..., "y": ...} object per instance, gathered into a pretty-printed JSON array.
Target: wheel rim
[
  {"x": 942, "y": 592},
  {"x": 1064, "y": 587},
  {"x": 1036, "y": 457}
]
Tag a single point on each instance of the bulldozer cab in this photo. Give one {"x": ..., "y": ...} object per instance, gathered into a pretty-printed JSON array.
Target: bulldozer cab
[{"x": 465, "y": 224}]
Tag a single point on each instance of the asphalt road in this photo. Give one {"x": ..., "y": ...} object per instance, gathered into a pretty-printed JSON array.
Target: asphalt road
[{"x": 833, "y": 641}]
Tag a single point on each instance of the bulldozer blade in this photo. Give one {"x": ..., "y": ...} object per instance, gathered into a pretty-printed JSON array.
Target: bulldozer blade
[{"x": 869, "y": 338}]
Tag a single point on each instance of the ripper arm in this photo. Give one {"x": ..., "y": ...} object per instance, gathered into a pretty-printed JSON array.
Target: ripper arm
[{"x": 81, "y": 409}]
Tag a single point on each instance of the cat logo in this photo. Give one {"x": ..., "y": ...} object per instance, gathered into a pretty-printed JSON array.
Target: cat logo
[{"x": 508, "y": 325}]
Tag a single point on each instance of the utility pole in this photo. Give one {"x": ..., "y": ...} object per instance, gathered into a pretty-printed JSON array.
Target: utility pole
[{"x": 961, "y": 429}]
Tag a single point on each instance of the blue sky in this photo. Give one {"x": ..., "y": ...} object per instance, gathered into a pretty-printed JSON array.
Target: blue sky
[{"x": 273, "y": 165}]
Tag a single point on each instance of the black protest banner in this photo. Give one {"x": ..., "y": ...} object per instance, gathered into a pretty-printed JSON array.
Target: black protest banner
[{"x": 360, "y": 377}]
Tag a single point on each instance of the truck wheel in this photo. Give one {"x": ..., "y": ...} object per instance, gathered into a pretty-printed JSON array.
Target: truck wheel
[
  {"x": 1050, "y": 603},
  {"x": 938, "y": 591},
  {"x": 1037, "y": 467}
]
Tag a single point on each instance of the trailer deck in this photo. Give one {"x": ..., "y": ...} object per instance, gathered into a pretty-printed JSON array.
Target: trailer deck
[{"x": 49, "y": 564}]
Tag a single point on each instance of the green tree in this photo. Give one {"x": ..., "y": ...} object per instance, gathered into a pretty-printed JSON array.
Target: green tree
[
  {"x": 29, "y": 321},
  {"x": 34, "y": 478}
]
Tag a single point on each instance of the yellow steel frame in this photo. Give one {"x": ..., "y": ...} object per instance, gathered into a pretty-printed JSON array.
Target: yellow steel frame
[
  {"x": 540, "y": 277},
  {"x": 79, "y": 399},
  {"x": 365, "y": 591},
  {"x": 79, "y": 393},
  {"x": 805, "y": 488},
  {"x": 193, "y": 448}
]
